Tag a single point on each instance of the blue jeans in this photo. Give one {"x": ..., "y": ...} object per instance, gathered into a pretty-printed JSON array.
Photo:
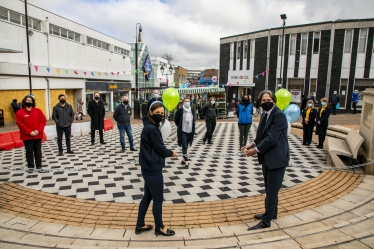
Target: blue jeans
[
  {"x": 122, "y": 129},
  {"x": 153, "y": 190}
]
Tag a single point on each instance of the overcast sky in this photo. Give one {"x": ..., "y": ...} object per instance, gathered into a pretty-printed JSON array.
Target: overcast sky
[{"x": 190, "y": 29}]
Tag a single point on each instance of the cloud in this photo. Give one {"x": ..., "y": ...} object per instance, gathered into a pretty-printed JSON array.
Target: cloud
[{"x": 190, "y": 30}]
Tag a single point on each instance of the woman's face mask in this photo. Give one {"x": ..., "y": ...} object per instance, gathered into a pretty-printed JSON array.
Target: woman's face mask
[{"x": 310, "y": 105}]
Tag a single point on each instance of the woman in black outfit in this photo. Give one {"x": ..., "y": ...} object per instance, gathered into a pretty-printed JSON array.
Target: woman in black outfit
[
  {"x": 152, "y": 160},
  {"x": 309, "y": 121},
  {"x": 211, "y": 113},
  {"x": 322, "y": 120}
]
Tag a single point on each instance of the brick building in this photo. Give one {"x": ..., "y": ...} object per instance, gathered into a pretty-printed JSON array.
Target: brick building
[{"x": 318, "y": 57}]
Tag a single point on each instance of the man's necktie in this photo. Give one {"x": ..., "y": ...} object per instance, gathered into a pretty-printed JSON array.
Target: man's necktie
[{"x": 261, "y": 128}]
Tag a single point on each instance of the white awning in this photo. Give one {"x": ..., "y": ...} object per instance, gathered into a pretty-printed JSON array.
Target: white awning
[{"x": 199, "y": 90}]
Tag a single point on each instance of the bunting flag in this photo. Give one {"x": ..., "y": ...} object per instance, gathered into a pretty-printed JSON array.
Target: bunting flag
[
  {"x": 75, "y": 72},
  {"x": 237, "y": 83},
  {"x": 48, "y": 69},
  {"x": 144, "y": 73},
  {"x": 106, "y": 74},
  {"x": 160, "y": 78},
  {"x": 244, "y": 81},
  {"x": 250, "y": 79},
  {"x": 112, "y": 73},
  {"x": 230, "y": 85},
  {"x": 268, "y": 70},
  {"x": 92, "y": 73},
  {"x": 84, "y": 73},
  {"x": 124, "y": 72},
  {"x": 58, "y": 71},
  {"x": 256, "y": 76},
  {"x": 263, "y": 73},
  {"x": 223, "y": 86},
  {"x": 67, "y": 71},
  {"x": 99, "y": 73},
  {"x": 36, "y": 68},
  {"x": 117, "y": 73}
]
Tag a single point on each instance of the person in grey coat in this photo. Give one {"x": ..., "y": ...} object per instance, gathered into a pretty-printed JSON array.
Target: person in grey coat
[
  {"x": 122, "y": 115},
  {"x": 63, "y": 115}
]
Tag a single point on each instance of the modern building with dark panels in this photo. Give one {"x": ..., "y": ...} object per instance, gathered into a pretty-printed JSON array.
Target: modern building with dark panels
[{"x": 318, "y": 57}]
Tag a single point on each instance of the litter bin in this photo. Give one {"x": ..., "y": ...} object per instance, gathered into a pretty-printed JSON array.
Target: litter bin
[
  {"x": 144, "y": 109},
  {"x": 136, "y": 109},
  {"x": 1, "y": 117}
]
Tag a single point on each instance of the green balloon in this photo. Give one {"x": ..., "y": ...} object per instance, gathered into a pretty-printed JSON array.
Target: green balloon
[
  {"x": 170, "y": 98},
  {"x": 283, "y": 98}
]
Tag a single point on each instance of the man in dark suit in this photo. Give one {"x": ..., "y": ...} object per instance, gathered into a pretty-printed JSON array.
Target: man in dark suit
[
  {"x": 272, "y": 149},
  {"x": 96, "y": 111}
]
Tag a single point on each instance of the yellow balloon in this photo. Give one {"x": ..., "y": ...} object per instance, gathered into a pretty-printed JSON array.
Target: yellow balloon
[
  {"x": 170, "y": 98},
  {"x": 283, "y": 98}
]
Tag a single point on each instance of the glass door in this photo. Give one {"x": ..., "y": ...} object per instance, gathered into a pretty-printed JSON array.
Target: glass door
[{"x": 343, "y": 91}]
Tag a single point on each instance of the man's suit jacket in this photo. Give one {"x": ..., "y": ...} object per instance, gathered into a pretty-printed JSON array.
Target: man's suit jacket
[{"x": 274, "y": 148}]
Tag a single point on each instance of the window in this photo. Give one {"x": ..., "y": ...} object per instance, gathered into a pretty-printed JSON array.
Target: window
[
  {"x": 245, "y": 49},
  {"x": 3, "y": 14},
  {"x": 77, "y": 37},
  {"x": 64, "y": 33},
  {"x": 316, "y": 43},
  {"x": 119, "y": 50},
  {"x": 296, "y": 84},
  {"x": 343, "y": 93},
  {"x": 15, "y": 18},
  {"x": 313, "y": 86},
  {"x": 55, "y": 30},
  {"x": 362, "y": 41},
  {"x": 348, "y": 41},
  {"x": 253, "y": 48},
  {"x": 89, "y": 40},
  {"x": 231, "y": 51},
  {"x": 71, "y": 35},
  {"x": 304, "y": 43},
  {"x": 238, "y": 50},
  {"x": 280, "y": 46},
  {"x": 293, "y": 44}
]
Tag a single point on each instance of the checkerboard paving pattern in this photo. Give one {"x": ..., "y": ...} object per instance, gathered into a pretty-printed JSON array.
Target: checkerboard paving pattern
[{"x": 206, "y": 179}]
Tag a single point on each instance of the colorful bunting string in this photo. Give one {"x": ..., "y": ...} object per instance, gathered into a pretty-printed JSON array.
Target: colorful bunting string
[
  {"x": 58, "y": 71},
  {"x": 67, "y": 71},
  {"x": 106, "y": 74},
  {"x": 75, "y": 72},
  {"x": 36, "y": 68},
  {"x": 48, "y": 69}
]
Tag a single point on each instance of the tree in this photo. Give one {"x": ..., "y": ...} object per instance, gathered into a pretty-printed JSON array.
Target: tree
[{"x": 168, "y": 57}]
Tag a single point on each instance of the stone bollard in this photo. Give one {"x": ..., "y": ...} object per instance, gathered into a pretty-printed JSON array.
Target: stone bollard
[{"x": 367, "y": 128}]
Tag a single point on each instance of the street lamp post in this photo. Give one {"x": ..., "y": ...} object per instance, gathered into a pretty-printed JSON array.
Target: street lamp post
[
  {"x": 284, "y": 18},
  {"x": 28, "y": 46},
  {"x": 162, "y": 69},
  {"x": 137, "y": 39}
]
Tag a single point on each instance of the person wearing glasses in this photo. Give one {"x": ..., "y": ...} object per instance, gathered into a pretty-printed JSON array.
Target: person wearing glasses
[
  {"x": 244, "y": 113},
  {"x": 273, "y": 152},
  {"x": 152, "y": 160}
]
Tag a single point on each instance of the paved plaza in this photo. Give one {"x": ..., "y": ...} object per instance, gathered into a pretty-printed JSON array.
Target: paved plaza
[{"x": 90, "y": 199}]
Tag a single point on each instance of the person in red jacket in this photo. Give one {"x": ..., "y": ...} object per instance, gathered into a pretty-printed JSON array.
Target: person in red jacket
[{"x": 31, "y": 122}]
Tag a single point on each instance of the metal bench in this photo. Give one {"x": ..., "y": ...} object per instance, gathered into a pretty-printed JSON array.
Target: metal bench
[{"x": 343, "y": 151}]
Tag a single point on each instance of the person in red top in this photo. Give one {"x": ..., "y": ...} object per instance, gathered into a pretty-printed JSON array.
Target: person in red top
[{"x": 31, "y": 122}]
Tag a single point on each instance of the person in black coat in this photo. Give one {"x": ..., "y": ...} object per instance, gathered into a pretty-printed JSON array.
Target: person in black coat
[
  {"x": 15, "y": 106},
  {"x": 96, "y": 111},
  {"x": 303, "y": 102},
  {"x": 185, "y": 121},
  {"x": 322, "y": 120},
  {"x": 309, "y": 121},
  {"x": 152, "y": 160},
  {"x": 273, "y": 152},
  {"x": 211, "y": 113}
]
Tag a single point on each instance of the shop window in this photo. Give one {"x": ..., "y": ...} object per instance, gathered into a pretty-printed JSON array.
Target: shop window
[
  {"x": 293, "y": 44},
  {"x": 296, "y": 85},
  {"x": 362, "y": 41},
  {"x": 348, "y": 41},
  {"x": 304, "y": 43},
  {"x": 361, "y": 85},
  {"x": 316, "y": 43}
]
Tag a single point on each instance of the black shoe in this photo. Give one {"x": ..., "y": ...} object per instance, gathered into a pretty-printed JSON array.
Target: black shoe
[
  {"x": 70, "y": 152},
  {"x": 102, "y": 142},
  {"x": 260, "y": 225},
  {"x": 92, "y": 143},
  {"x": 30, "y": 170},
  {"x": 141, "y": 229},
  {"x": 168, "y": 233},
  {"x": 210, "y": 142},
  {"x": 259, "y": 216},
  {"x": 40, "y": 170},
  {"x": 123, "y": 150},
  {"x": 195, "y": 133},
  {"x": 204, "y": 141},
  {"x": 133, "y": 149},
  {"x": 317, "y": 146},
  {"x": 303, "y": 143},
  {"x": 60, "y": 153},
  {"x": 320, "y": 147}
]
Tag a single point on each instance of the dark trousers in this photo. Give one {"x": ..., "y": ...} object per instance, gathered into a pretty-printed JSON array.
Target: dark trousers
[
  {"x": 307, "y": 134},
  {"x": 33, "y": 149},
  {"x": 153, "y": 190},
  {"x": 185, "y": 138},
  {"x": 354, "y": 107},
  {"x": 60, "y": 132},
  {"x": 334, "y": 109},
  {"x": 321, "y": 139},
  {"x": 93, "y": 136},
  {"x": 244, "y": 130},
  {"x": 122, "y": 129},
  {"x": 210, "y": 127},
  {"x": 273, "y": 182}
]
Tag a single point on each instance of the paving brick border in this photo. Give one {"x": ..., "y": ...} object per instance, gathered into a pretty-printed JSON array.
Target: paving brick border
[{"x": 24, "y": 202}]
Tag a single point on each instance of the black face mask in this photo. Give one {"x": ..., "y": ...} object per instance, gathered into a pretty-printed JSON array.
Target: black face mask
[
  {"x": 28, "y": 104},
  {"x": 62, "y": 101},
  {"x": 245, "y": 100},
  {"x": 157, "y": 118},
  {"x": 97, "y": 98},
  {"x": 125, "y": 102},
  {"x": 267, "y": 106}
]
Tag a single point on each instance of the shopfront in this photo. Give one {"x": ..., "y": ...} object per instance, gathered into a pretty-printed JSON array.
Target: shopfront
[{"x": 110, "y": 93}]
